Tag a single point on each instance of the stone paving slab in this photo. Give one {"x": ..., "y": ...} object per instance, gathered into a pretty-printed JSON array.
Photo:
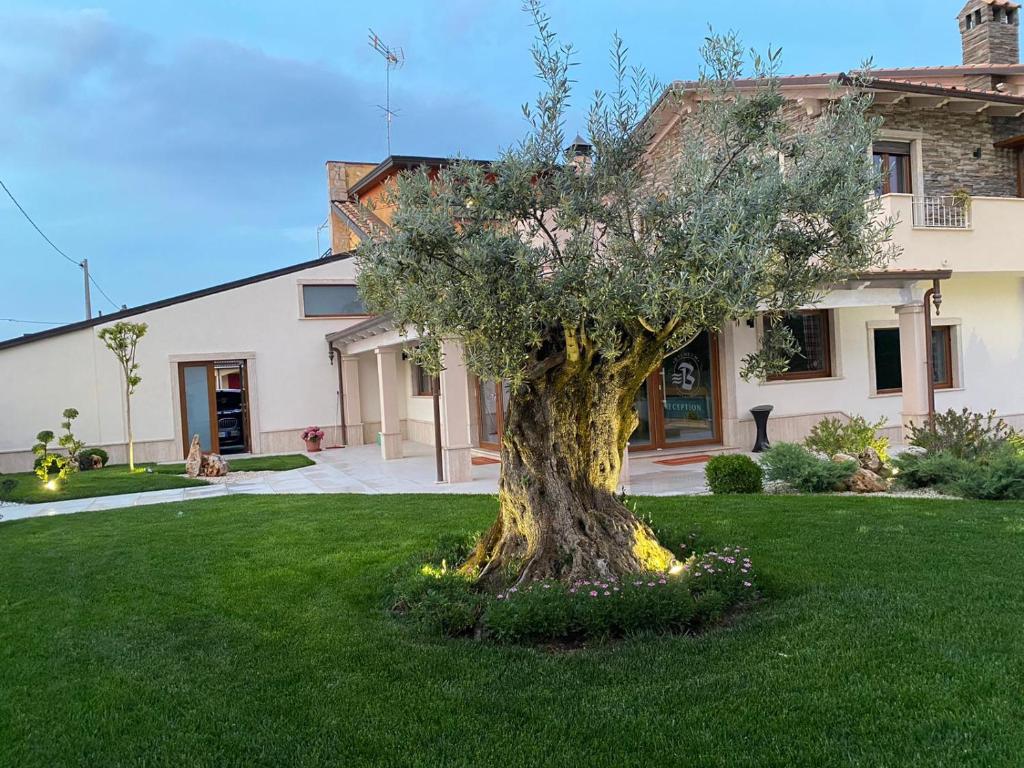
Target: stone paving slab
[{"x": 360, "y": 469}]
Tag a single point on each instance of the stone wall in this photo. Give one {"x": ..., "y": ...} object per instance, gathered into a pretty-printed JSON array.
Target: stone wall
[
  {"x": 990, "y": 41},
  {"x": 948, "y": 142}
]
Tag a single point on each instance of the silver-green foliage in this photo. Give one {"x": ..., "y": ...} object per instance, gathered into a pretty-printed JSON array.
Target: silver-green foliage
[{"x": 539, "y": 257}]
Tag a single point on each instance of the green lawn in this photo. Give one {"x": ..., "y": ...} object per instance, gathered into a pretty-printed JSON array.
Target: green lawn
[
  {"x": 251, "y": 464},
  {"x": 250, "y": 632},
  {"x": 108, "y": 481},
  {"x": 115, "y": 479}
]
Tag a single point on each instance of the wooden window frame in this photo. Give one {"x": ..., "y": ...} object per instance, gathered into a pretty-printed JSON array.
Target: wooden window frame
[
  {"x": 908, "y": 172},
  {"x": 822, "y": 373},
  {"x": 417, "y": 379},
  {"x": 948, "y": 383}
]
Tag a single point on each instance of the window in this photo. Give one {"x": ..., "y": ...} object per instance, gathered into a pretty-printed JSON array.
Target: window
[
  {"x": 331, "y": 301},
  {"x": 813, "y": 336},
  {"x": 892, "y": 162},
  {"x": 421, "y": 383},
  {"x": 970, "y": 21},
  {"x": 997, "y": 15},
  {"x": 889, "y": 375}
]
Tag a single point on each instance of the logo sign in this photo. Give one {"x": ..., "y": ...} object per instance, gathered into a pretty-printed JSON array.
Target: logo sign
[{"x": 686, "y": 372}]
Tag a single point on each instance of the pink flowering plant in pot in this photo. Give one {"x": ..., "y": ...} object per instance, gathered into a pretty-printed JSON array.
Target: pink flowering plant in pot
[{"x": 312, "y": 436}]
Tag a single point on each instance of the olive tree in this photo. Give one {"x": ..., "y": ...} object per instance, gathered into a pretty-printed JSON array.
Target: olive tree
[
  {"x": 570, "y": 278},
  {"x": 122, "y": 338}
]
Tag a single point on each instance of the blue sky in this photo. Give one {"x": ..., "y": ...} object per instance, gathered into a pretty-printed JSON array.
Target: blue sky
[{"x": 179, "y": 145}]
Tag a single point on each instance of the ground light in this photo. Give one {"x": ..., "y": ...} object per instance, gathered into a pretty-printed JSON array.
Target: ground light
[{"x": 51, "y": 485}]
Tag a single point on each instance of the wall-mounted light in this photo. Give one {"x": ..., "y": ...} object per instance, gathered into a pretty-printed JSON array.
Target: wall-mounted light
[{"x": 977, "y": 153}]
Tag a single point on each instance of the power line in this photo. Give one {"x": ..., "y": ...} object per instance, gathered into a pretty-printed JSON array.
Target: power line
[
  {"x": 31, "y": 322},
  {"x": 112, "y": 302},
  {"x": 36, "y": 226},
  {"x": 80, "y": 264}
]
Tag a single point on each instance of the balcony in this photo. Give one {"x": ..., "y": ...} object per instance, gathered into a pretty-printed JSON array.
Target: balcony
[{"x": 982, "y": 234}]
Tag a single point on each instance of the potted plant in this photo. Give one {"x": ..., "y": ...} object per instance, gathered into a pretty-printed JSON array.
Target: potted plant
[{"x": 312, "y": 436}]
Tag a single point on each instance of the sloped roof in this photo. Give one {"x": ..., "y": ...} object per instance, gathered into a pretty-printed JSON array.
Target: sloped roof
[{"x": 142, "y": 308}]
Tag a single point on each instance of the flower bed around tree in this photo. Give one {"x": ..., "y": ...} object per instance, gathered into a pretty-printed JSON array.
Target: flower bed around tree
[{"x": 699, "y": 591}]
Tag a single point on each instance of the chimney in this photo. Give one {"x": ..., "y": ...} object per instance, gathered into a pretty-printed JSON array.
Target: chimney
[{"x": 990, "y": 34}]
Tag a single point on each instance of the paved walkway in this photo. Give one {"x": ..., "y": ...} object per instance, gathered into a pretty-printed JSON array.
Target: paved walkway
[{"x": 361, "y": 470}]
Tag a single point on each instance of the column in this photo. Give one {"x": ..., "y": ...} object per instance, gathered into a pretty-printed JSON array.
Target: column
[
  {"x": 389, "y": 385},
  {"x": 456, "y": 432},
  {"x": 913, "y": 365},
  {"x": 353, "y": 406}
]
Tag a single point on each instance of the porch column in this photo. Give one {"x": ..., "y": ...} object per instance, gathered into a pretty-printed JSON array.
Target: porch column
[
  {"x": 456, "y": 432},
  {"x": 388, "y": 383},
  {"x": 353, "y": 406},
  {"x": 913, "y": 365}
]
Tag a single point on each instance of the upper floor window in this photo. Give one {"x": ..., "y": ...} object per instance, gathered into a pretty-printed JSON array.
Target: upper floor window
[
  {"x": 331, "y": 300},
  {"x": 892, "y": 161},
  {"x": 970, "y": 21},
  {"x": 812, "y": 332}
]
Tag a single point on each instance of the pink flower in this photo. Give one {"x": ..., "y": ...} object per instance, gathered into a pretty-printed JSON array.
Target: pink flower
[
  {"x": 607, "y": 592},
  {"x": 593, "y": 593}
]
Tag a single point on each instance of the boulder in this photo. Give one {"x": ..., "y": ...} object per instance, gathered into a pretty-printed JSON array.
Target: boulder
[
  {"x": 866, "y": 481},
  {"x": 199, "y": 464},
  {"x": 214, "y": 465},
  {"x": 194, "y": 462},
  {"x": 839, "y": 458},
  {"x": 870, "y": 460}
]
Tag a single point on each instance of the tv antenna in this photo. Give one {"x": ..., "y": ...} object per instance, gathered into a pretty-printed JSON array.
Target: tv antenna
[{"x": 393, "y": 59}]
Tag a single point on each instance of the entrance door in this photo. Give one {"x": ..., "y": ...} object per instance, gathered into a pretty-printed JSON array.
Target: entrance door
[
  {"x": 679, "y": 404},
  {"x": 214, "y": 405}
]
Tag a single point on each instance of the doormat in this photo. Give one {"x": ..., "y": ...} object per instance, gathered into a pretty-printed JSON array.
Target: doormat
[
  {"x": 479, "y": 461},
  {"x": 680, "y": 460}
]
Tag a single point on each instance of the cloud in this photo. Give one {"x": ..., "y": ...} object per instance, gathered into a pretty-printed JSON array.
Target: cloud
[{"x": 208, "y": 117}]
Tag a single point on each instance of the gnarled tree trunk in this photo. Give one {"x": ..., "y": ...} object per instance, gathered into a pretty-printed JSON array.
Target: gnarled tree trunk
[{"x": 561, "y": 457}]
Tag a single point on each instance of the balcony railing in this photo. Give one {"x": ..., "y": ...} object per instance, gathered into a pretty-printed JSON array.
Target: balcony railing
[{"x": 942, "y": 211}]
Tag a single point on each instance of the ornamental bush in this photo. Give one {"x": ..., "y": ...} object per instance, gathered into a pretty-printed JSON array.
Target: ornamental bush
[
  {"x": 852, "y": 437},
  {"x": 798, "y": 468},
  {"x": 996, "y": 476},
  {"x": 734, "y": 473},
  {"x": 85, "y": 457},
  {"x": 963, "y": 434},
  {"x": 930, "y": 470}
]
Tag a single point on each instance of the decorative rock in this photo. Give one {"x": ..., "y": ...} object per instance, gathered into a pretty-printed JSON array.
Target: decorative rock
[
  {"x": 866, "y": 481},
  {"x": 870, "y": 460},
  {"x": 194, "y": 462},
  {"x": 214, "y": 465},
  {"x": 839, "y": 458},
  {"x": 199, "y": 464},
  {"x": 915, "y": 450}
]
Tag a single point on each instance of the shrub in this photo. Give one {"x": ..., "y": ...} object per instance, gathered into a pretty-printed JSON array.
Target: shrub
[
  {"x": 85, "y": 458},
  {"x": 548, "y": 610},
  {"x": 7, "y": 485},
  {"x": 853, "y": 437},
  {"x": 799, "y": 468},
  {"x": 963, "y": 434},
  {"x": 999, "y": 477},
  {"x": 444, "y": 601},
  {"x": 734, "y": 473},
  {"x": 930, "y": 470}
]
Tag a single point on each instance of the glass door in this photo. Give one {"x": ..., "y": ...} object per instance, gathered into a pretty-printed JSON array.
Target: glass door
[
  {"x": 196, "y": 386},
  {"x": 688, "y": 397},
  {"x": 679, "y": 404},
  {"x": 214, "y": 399}
]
